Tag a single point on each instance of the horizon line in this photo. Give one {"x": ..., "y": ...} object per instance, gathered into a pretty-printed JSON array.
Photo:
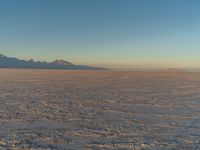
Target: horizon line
[{"x": 118, "y": 66}]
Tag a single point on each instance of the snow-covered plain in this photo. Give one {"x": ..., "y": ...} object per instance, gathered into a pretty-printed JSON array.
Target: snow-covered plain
[{"x": 54, "y": 109}]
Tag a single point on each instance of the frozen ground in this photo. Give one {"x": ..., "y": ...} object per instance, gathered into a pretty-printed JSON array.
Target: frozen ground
[{"x": 99, "y": 110}]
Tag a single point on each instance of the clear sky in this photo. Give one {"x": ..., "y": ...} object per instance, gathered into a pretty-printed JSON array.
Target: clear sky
[{"x": 129, "y": 33}]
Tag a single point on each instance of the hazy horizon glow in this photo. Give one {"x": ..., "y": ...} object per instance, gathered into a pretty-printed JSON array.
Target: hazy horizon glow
[{"x": 115, "y": 33}]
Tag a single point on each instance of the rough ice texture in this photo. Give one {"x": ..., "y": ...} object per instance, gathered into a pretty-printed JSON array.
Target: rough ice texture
[{"x": 42, "y": 109}]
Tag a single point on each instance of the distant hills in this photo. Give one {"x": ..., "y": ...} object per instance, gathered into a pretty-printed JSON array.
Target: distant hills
[{"x": 12, "y": 62}]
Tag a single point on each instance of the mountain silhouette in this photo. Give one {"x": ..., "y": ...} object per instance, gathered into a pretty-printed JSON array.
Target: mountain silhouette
[{"x": 12, "y": 62}]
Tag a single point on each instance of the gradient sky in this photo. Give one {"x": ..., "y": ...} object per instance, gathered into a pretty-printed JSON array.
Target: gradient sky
[{"x": 129, "y": 33}]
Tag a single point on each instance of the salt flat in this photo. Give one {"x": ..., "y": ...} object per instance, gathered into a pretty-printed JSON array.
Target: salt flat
[{"x": 55, "y": 109}]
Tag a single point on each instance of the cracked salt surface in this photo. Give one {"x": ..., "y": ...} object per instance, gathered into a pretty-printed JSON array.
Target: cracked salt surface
[{"x": 54, "y": 109}]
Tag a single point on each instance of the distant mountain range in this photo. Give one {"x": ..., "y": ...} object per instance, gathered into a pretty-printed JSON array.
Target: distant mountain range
[{"x": 12, "y": 62}]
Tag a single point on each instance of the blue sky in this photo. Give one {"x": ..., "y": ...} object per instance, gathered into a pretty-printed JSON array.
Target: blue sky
[{"x": 119, "y": 33}]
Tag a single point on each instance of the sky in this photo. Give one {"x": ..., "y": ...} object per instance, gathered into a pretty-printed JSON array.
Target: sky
[{"x": 114, "y": 33}]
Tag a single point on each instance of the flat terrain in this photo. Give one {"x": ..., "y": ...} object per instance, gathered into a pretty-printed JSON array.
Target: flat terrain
[{"x": 53, "y": 109}]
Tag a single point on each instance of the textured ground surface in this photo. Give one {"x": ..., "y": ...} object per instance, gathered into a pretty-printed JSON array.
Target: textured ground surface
[{"x": 99, "y": 110}]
